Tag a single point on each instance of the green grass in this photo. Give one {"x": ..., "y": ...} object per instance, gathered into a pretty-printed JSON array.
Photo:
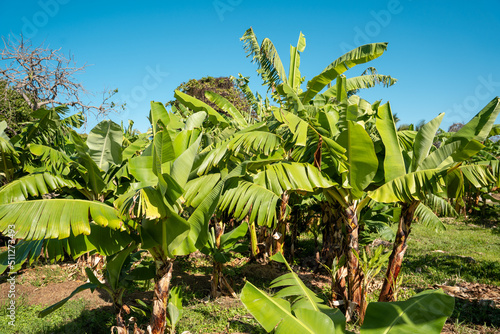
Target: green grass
[
  {"x": 215, "y": 318},
  {"x": 72, "y": 318},
  {"x": 463, "y": 252}
]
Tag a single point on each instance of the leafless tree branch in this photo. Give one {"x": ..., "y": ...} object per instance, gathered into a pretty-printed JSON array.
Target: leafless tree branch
[{"x": 43, "y": 76}]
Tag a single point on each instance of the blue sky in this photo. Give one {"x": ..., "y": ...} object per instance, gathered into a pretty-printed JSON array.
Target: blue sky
[{"x": 444, "y": 54}]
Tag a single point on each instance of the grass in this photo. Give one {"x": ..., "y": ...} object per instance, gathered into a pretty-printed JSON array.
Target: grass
[
  {"x": 73, "y": 318},
  {"x": 463, "y": 252},
  {"x": 215, "y": 318}
]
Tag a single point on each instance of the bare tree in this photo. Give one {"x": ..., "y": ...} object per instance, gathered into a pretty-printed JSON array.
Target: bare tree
[{"x": 44, "y": 77}]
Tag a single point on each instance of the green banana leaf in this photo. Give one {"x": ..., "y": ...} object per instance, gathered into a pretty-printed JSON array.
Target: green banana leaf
[
  {"x": 355, "y": 83},
  {"x": 479, "y": 127},
  {"x": 92, "y": 174},
  {"x": 56, "y": 218},
  {"x": 243, "y": 196},
  {"x": 195, "y": 120},
  {"x": 360, "y": 55},
  {"x": 394, "y": 165},
  {"x": 294, "y": 77},
  {"x": 424, "y": 140},
  {"x": 137, "y": 146},
  {"x": 33, "y": 185},
  {"x": 58, "y": 161},
  {"x": 361, "y": 157},
  {"x": 410, "y": 187},
  {"x": 423, "y": 313},
  {"x": 226, "y": 106},
  {"x": 196, "y": 105},
  {"x": 275, "y": 313},
  {"x": 158, "y": 114},
  {"x": 105, "y": 144},
  {"x": 114, "y": 264}
]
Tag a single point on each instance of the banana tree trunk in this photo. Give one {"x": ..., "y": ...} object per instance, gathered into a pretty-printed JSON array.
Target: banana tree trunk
[
  {"x": 294, "y": 228},
  {"x": 333, "y": 238},
  {"x": 120, "y": 327},
  {"x": 163, "y": 277},
  {"x": 398, "y": 251},
  {"x": 216, "y": 276},
  {"x": 279, "y": 235},
  {"x": 354, "y": 273},
  {"x": 217, "y": 266},
  {"x": 334, "y": 247},
  {"x": 119, "y": 307}
]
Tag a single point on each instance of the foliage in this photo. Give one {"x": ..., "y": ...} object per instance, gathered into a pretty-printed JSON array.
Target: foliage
[
  {"x": 296, "y": 309},
  {"x": 13, "y": 110}
]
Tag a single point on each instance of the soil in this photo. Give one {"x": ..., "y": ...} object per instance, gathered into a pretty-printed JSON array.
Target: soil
[
  {"x": 54, "y": 292},
  {"x": 488, "y": 295}
]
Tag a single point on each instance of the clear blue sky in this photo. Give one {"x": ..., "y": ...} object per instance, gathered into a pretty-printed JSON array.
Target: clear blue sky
[{"x": 445, "y": 54}]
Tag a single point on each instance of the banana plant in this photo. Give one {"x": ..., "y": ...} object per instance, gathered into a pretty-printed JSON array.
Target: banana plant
[
  {"x": 410, "y": 178},
  {"x": 479, "y": 186},
  {"x": 293, "y": 309},
  {"x": 219, "y": 248},
  {"x": 167, "y": 225},
  {"x": 119, "y": 277},
  {"x": 297, "y": 309},
  {"x": 336, "y": 138},
  {"x": 75, "y": 212},
  {"x": 273, "y": 72},
  {"x": 80, "y": 182}
]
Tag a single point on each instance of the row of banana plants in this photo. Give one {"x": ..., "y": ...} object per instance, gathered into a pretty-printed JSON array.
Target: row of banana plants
[{"x": 120, "y": 194}]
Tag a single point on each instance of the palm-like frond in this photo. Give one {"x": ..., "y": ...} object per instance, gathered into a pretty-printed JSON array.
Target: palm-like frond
[
  {"x": 406, "y": 138},
  {"x": 271, "y": 68},
  {"x": 258, "y": 142},
  {"x": 478, "y": 176},
  {"x": 410, "y": 187},
  {"x": 74, "y": 121},
  {"x": 56, "y": 218},
  {"x": 197, "y": 105},
  {"x": 357, "y": 56},
  {"x": 293, "y": 286},
  {"x": 197, "y": 189},
  {"x": 251, "y": 45},
  {"x": 33, "y": 185},
  {"x": 56, "y": 160},
  {"x": 242, "y": 83},
  {"x": 244, "y": 197},
  {"x": 103, "y": 240},
  {"x": 427, "y": 217},
  {"x": 267, "y": 58},
  {"x": 9, "y": 158},
  {"x": 440, "y": 205},
  {"x": 296, "y": 125},
  {"x": 136, "y": 147},
  {"x": 275, "y": 313},
  {"x": 226, "y": 106},
  {"x": 359, "y": 82},
  {"x": 295, "y": 176}
]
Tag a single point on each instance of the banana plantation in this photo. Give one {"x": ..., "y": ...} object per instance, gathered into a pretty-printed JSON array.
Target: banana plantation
[{"x": 311, "y": 157}]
